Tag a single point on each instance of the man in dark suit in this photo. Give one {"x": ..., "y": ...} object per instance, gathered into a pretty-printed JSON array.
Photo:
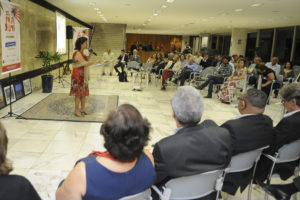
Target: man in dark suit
[
  {"x": 193, "y": 148},
  {"x": 251, "y": 130},
  {"x": 135, "y": 56},
  {"x": 286, "y": 131},
  {"x": 206, "y": 61},
  {"x": 123, "y": 59}
]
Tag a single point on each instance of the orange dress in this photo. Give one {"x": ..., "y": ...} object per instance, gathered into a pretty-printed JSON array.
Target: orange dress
[{"x": 79, "y": 88}]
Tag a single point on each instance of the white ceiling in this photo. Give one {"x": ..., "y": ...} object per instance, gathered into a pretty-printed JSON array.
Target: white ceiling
[{"x": 186, "y": 17}]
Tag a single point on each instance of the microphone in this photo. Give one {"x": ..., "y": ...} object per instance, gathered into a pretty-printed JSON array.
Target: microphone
[{"x": 91, "y": 51}]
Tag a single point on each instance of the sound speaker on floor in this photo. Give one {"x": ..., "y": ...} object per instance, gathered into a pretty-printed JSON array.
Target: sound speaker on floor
[{"x": 69, "y": 32}]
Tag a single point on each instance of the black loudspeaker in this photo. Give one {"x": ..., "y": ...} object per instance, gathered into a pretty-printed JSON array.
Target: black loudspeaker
[{"x": 69, "y": 32}]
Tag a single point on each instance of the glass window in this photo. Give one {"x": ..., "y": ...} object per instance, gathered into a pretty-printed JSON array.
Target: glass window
[
  {"x": 220, "y": 44},
  {"x": 251, "y": 44},
  {"x": 283, "y": 44},
  {"x": 226, "y": 46},
  {"x": 214, "y": 42},
  {"x": 296, "y": 57},
  {"x": 265, "y": 44}
]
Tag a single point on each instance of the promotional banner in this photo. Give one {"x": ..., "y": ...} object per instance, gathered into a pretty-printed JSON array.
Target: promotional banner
[
  {"x": 80, "y": 32},
  {"x": 61, "y": 34},
  {"x": 10, "y": 37}
]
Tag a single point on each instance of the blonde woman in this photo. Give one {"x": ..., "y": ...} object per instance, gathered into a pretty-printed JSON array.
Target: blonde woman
[{"x": 235, "y": 80}]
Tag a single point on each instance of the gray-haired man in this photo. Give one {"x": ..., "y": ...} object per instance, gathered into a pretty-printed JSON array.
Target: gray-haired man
[{"x": 194, "y": 148}]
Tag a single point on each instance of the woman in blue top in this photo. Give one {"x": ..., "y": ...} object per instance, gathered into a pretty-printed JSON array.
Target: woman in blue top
[{"x": 125, "y": 169}]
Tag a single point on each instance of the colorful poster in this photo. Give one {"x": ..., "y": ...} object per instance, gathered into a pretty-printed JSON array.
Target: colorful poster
[
  {"x": 10, "y": 37},
  {"x": 80, "y": 32}
]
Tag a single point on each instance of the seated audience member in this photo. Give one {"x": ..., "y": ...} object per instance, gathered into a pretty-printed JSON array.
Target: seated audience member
[
  {"x": 286, "y": 131},
  {"x": 282, "y": 192},
  {"x": 251, "y": 130},
  {"x": 256, "y": 61},
  {"x": 108, "y": 58},
  {"x": 234, "y": 60},
  {"x": 159, "y": 64},
  {"x": 274, "y": 66},
  {"x": 12, "y": 187},
  {"x": 187, "y": 49},
  {"x": 169, "y": 71},
  {"x": 206, "y": 61},
  {"x": 193, "y": 148},
  {"x": 152, "y": 59},
  {"x": 235, "y": 80},
  {"x": 135, "y": 56},
  {"x": 124, "y": 169},
  {"x": 218, "y": 62},
  {"x": 287, "y": 72},
  {"x": 198, "y": 57},
  {"x": 186, "y": 71},
  {"x": 123, "y": 59},
  {"x": 183, "y": 61},
  {"x": 224, "y": 71},
  {"x": 268, "y": 76}
]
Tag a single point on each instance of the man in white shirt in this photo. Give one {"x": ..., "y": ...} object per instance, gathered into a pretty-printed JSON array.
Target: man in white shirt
[
  {"x": 274, "y": 66},
  {"x": 198, "y": 57},
  {"x": 108, "y": 59}
]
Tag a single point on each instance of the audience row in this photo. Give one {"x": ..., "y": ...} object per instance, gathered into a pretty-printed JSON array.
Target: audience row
[{"x": 128, "y": 168}]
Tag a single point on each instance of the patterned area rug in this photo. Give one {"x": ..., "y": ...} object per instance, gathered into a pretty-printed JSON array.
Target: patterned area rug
[{"x": 60, "y": 107}]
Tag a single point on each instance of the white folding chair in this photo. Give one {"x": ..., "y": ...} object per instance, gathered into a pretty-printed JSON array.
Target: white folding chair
[
  {"x": 192, "y": 187},
  {"x": 288, "y": 153},
  {"x": 146, "y": 195},
  {"x": 245, "y": 161}
]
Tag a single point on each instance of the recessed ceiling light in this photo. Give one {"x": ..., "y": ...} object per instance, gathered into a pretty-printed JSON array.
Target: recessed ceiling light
[
  {"x": 255, "y": 5},
  {"x": 99, "y": 12},
  {"x": 238, "y": 10},
  {"x": 155, "y": 14},
  {"x": 164, "y": 6},
  {"x": 170, "y": 1},
  {"x": 92, "y": 3},
  {"x": 96, "y": 8},
  {"x": 101, "y": 15}
]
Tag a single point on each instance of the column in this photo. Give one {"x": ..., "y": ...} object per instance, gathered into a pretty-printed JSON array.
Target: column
[{"x": 238, "y": 41}]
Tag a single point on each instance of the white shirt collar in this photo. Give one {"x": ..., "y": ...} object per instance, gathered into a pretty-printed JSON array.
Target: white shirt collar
[
  {"x": 291, "y": 113},
  {"x": 245, "y": 115}
]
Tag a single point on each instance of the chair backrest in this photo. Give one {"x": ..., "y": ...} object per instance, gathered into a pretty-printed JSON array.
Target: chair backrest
[
  {"x": 245, "y": 161},
  {"x": 147, "y": 66},
  {"x": 132, "y": 64},
  {"x": 289, "y": 152},
  {"x": 296, "y": 70},
  {"x": 195, "y": 186},
  {"x": 146, "y": 195},
  {"x": 208, "y": 71}
]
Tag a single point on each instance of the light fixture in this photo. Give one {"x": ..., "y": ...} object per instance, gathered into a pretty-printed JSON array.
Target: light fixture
[
  {"x": 101, "y": 15},
  {"x": 96, "y": 8},
  {"x": 170, "y": 1},
  {"x": 255, "y": 5},
  {"x": 143, "y": 24},
  {"x": 99, "y": 12},
  {"x": 204, "y": 20},
  {"x": 164, "y": 6},
  {"x": 238, "y": 10},
  {"x": 155, "y": 14},
  {"x": 92, "y": 3}
]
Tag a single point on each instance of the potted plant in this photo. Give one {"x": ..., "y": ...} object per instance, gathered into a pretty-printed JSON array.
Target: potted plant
[{"x": 47, "y": 78}]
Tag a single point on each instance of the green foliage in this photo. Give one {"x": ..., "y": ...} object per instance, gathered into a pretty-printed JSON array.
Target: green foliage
[{"x": 47, "y": 58}]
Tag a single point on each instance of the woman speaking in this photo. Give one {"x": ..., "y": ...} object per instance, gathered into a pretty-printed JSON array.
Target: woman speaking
[{"x": 80, "y": 75}]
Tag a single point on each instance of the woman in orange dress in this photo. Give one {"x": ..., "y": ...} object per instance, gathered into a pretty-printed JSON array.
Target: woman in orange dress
[{"x": 80, "y": 76}]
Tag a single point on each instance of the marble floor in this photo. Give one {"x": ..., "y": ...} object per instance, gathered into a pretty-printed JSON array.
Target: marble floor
[{"x": 45, "y": 151}]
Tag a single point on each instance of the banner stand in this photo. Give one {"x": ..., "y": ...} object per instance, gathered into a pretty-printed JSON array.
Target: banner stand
[{"x": 11, "y": 113}]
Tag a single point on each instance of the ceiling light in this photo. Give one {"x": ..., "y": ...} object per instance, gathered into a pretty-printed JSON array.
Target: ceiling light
[
  {"x": 96, "y": 9},
  {"x": 101, "y": 15},
  {"x": 204, "y": 20},
  {"x": 223, "y": 14},
  {"x": 143, "y": 24},
  {"x": 212, "y": 17},
  {"x": 255, "y": 5},
  {"x": 92, "y": 3},
  {"x": 99, "y": 12},
  {"x": 238, "y": 10},
  {"x": 170, "y": 1},
  {"x": 164, "y": 6},
  {"x": 155, "y": 14}
]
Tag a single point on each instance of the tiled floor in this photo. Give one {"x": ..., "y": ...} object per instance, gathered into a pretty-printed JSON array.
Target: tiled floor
[{"x": 45, "y": 151}]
